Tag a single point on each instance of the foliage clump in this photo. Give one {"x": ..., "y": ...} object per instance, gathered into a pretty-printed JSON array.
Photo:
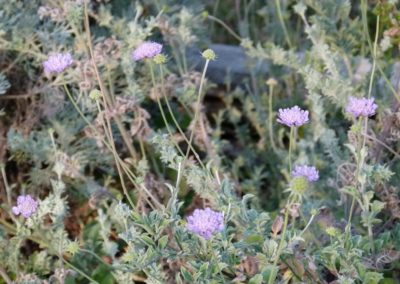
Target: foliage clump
[{"x": 121, "y": 160}]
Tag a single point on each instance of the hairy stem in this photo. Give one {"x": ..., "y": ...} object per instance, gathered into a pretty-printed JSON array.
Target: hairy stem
[
  {"x": 198, "y": 106},
  {"x": 282, "y": 21},
  {"x": 270, "y": 118},
  {"x": 281, "y": 242},
  {"x": 108, "y": 100},
  {"x": 291, "y": 147},
  {"x": 171, "y": 113}
]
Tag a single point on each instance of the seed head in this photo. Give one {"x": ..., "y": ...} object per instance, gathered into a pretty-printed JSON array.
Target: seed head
[
  {"x": 95, "y": 94},
  {"x": 209, "y": 54},
  {"x": 160, "y": 59}
]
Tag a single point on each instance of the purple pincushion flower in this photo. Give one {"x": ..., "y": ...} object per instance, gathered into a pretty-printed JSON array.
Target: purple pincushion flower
[
  {"x": 294, "y": 116},
  {"x": 26, "y": 206},
  {"x": 309, "y": 172},
  {"x": 361, "y": 107},
  {"x": 57, "y": 63},
  {"x": 147, "y": 49},
  {"x": 205, "y": 222}
]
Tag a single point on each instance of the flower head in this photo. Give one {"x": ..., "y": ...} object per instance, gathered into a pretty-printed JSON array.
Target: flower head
[
  {"x": 361, "y": 107},
  {"x": 147, "y": 49},
  {"x": 205, "y": 222},
  {"x": 209, "y": 54},
  {"x": 294, "y": 116},
  {"x": 309, "y": 172},
  {"x": 57, "y": 63},
  {"x": 26, "y": 206}
]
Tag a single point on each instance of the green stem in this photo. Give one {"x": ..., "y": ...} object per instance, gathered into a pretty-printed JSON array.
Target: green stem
[
  {"x": 175, "y": 120},
  {"x": 131, "y": 176},
  {"x": 153, "y": 80},
  {"x": 308, "y": 225},
  {"x": 80, "y": 272},
  {"x": 106, "y": 96},
  {"x": 291, "y": 146},
  {"x": 225, "y": 26},
  {"x": 198, "y": 104},
  {"x": 109, "y": 135},
  {"x": 281, "y": 242},
  {"x": 282, "y": 21},
  {"x": 364, "y": 9},
  {"x": 270, "y": 118},
  {"x": 353, "y": 201}
]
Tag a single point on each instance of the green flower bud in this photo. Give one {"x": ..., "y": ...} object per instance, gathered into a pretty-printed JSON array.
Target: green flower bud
[
  {"x": 160, "y": 59},
  {"x": 72, "y": 248},
  {"x": 299, "y": 185},
  {"x": 95, "y": 94},
  {"x": 332, "y": 231},
  {"x": 209, "y": 54}
]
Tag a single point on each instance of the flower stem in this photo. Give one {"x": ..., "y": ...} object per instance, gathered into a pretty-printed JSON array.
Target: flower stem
[
  {"x": 175, "y": 120},
  {"x": 162, "y": 110},
  {"x": 198, "y": 103},
  {"x": 308, "y": 225},
  {"x": 270, "y": 117},
  {"x": 107, "y": 99},
  {"x": 353, "y": 201},
  {"x": 282, "y": 21},
  {"x": 291, "y": 146},
  {"x": 282, "y": 240}
]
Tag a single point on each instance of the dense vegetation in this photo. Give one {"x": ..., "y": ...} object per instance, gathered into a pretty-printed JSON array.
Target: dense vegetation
[{"x": 216, "y": 141}]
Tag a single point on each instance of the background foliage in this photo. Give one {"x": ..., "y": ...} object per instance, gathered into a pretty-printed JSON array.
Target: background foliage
[{"x": 119, "y": 216}]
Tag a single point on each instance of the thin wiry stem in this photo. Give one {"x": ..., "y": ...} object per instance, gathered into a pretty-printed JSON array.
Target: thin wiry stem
[
  {"x": 175, "y": 120},
  {"x": 353, "y": 201},
  {"x": 80, "y": 271},
  {"x": 5, "y": 276},
  {"x": 291, "y": 146},
  {"x": 281, "y": 242},
  {"x": 162, "y": 110},
  {"x": 198, "y": 104},
  {"x": 128, "y": 172},
  {"x": 282, "y": 21},
  {"x": 108, "y": 101},
  {"x": 364, "y": 9},
  {"x": 308, "y": 225},
  {"x": 270, "y": 118},
  {"x": 235, "y": 35}
]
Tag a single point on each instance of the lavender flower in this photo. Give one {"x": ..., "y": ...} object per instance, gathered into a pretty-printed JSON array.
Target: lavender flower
[
  {"x": 309, "y": 172},
  {"x": 205, "y": 222},
  {"x": 361, "y": 107},
  {"x": 294, "y": 116},
  {"x": 57, "y": 63},
  {"x": 147, "y": 49},
  {"x": 26, "y": 206}
]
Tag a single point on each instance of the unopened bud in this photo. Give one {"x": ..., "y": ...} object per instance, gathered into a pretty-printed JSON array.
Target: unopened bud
[
  {"x": 299, "y": 185},
  {"x": 95, "y": 94},
  {"x": 209, "y": 54},
  {"x": 160, "y": 59}
]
